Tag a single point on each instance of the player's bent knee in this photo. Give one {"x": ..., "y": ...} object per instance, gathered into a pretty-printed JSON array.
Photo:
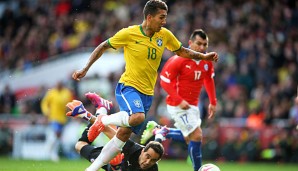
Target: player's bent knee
[
  {"x": 196, "y": 135},
  {"x": 136, "y": 119},
  {"x": 79, "y": 145}
]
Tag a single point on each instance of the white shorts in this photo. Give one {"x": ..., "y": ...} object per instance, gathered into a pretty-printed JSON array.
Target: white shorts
[{"x": 185, "y": 120}]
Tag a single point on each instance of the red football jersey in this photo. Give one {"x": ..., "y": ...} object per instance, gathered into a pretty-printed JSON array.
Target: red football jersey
[{"x": 183, "y": 78}]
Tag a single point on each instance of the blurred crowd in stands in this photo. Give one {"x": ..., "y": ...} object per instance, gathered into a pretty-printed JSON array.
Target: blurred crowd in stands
[{"x": 256, "y": 76}]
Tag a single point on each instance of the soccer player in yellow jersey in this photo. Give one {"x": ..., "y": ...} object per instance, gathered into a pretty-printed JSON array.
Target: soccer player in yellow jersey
[
  {"x": 143, "y": 48},
  {"x": 53, "y": 107}
]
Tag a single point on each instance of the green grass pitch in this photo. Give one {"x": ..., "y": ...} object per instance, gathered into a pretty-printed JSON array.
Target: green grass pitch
[{"x": 7, "y": 164}]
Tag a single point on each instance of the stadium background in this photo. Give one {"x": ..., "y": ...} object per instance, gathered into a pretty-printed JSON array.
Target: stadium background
[{"x": 256, "y": 76}]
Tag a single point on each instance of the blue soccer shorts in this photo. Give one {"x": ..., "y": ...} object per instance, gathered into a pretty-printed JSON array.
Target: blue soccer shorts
[
  {"x": 57, "y": 127},
  {"x": 132, "y": 101}
]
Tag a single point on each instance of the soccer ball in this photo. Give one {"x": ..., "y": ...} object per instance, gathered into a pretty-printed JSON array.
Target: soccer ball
[{"x": 209, "y": 167}]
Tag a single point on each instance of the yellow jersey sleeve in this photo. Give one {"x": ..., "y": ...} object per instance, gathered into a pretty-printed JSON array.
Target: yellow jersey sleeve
[
  {"x": 120, "y": 39},
  {"x": 45, "y": 103},
  {"x": 173, "y": 43}
]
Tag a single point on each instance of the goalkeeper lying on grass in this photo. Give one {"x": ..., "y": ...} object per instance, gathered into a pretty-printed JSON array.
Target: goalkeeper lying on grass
[{"x": 134, "y": 157}]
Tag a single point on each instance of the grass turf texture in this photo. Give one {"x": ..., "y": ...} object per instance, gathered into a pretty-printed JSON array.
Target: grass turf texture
[{"x": 8, "y": 164}]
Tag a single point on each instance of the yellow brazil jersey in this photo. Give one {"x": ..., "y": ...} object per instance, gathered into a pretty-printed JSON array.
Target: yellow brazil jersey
[
  {"x": 54, "y": 104},
  {"x": 142, "y": 55}
]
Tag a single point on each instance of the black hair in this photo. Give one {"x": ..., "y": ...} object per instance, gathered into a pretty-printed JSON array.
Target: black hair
[
  {"x": 156, "y": 146},
  {"x": 152, "y": 7},
  {"x": 200, "y": 33}
]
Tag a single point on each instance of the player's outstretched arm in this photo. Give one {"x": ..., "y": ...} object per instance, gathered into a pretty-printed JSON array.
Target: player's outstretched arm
[
  {"x": 77, "y": 110},
  {"x": 188, "y": 53},
  {"x": 96, "y": 54}
]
